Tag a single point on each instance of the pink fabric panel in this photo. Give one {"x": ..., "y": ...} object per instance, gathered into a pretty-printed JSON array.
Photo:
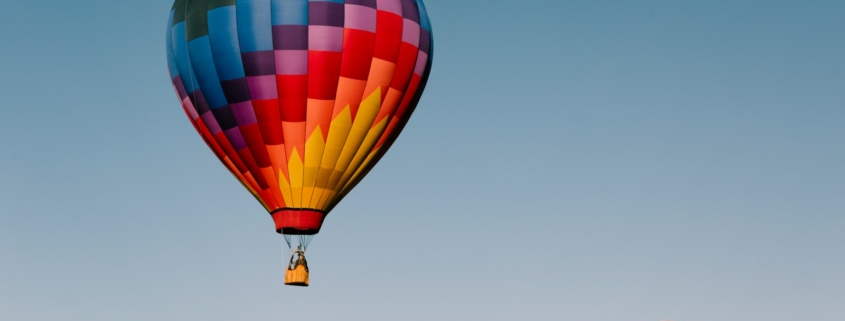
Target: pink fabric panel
[
  {"x": 291, "y": 62},
  {"x": 393, "y": 6},
  {"x": 360, "y": 17},
  {"x": 422, "y": 60},
  {"x": 411, "y": 32},
  {"x": 325, "y": 38}
]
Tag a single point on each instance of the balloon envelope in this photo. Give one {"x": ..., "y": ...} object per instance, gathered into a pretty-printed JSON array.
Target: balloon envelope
[{"x": 297, "y": 98}]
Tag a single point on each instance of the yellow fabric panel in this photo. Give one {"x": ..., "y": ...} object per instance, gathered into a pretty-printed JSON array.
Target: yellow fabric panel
[
  {"x": 360, "y": 126},
  {"x": 315, "y": 199},
  {"x": 367, "y": 112},
  {"x": 372, "y": 137},
  {"x": 285, "y": 187},
  {"x": 355, "y": 177},
  {"x": 295, "y": 168},
  {"x": 338, "y": 131},
  {"x": 313, "y": 154},
  {"x": 329, "y": 194},
  {"x": 329, "y": 198}
]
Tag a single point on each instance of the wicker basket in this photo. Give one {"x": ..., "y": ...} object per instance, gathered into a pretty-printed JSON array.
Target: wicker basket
[{"x": 297, "y": 276}]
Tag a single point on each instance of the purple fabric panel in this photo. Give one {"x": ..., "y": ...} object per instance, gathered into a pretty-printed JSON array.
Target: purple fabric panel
[
  {"x": 199, "y": 101},
  {"x": 323, "y": 13},
  {"x": 244, "y": 113},
  {"x": 422, "y": 61},
  {"x": 236, "y": 90},
  {"x": 425, "y": 41},
  {"x": 180, "y": 87},
  {"x": 236, "y": 138},
  {"x": 411, "y": 32},
  {"x": 259, "y": 63},
  {"x": 410, "y": 10},
  {"x": 394, "y": 6},
  {"x": 292, "y": 62},
  {"x": 211, "y": 123},
  {"x": 366, "y": 3},
  {"x": 263, "y": 87},
  {"x": 325, "y": 38},
  {"x": 360, "y": 17},
  {"x": 290, "y": 37}
]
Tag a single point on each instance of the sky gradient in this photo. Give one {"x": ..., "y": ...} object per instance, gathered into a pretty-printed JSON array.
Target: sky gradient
[{"x": 570, "y": 160}]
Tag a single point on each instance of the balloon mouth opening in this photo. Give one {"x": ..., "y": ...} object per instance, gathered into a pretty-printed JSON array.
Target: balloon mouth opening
[
  {"x": 293, "y": 231},
  {"x": 298, "y": 221}
]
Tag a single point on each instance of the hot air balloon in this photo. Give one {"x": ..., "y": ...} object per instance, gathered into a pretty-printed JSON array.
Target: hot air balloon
[{"x": 299, "y": 99}]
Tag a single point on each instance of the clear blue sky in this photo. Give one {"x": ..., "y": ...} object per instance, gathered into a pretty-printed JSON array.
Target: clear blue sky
[{"x": 590, "y": 160}]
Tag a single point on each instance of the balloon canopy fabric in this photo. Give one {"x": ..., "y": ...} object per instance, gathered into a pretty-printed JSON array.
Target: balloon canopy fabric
[{"x": 299, "y": 98}]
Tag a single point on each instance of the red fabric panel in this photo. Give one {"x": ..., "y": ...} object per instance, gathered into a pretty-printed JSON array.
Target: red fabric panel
[
  {"x": 405, "y": 66},
  {"x": 252, "y": 166},
  {"x": 403, "y": 108},
  {"x": 209, "y": 139},
  {"x": 302, "y": 221},
  {"x": 293, "y": 97},
  {"x": 358, "y": 47},
  {"x": 409, "y": 95},
  {"x": 388, "y": 36},
  {"x": 252, "y": 135},
  {"x": 270, "y": 121},
  {"x": 323, "y": 72},
  {"x": 268, "y": 198}
]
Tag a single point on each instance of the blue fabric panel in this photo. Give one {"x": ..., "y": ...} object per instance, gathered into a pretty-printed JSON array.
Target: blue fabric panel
[
  {"x": 223, "y": 35},
  {"x": 182, "y": 61},
  {"x": 255, "y": 25},
  {"x": 203, "y": 65},
  {"x": 171, "y": 54},
  {"x": 290, "y": 12}
]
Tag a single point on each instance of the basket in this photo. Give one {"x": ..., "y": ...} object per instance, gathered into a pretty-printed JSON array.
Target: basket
[{"x": 297, "y": 276}]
